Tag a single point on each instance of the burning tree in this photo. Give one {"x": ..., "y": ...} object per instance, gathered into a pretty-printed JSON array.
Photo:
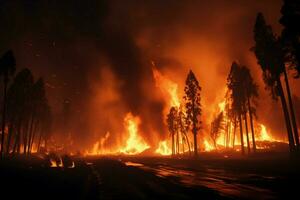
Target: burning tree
[
  {"x": 217, "y": 126},
  {"x": 243, "y": 91},
  {"x": 192, "y": 105},
  {"x": 183, "y": 125},
  {"x": 270, "y": 56},
  {"x": 172, "y": 126}
]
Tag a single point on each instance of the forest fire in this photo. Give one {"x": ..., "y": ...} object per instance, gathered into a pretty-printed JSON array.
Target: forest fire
[
  {"x": 134, "y": 144},
  {"x": 163, "y": 148}
]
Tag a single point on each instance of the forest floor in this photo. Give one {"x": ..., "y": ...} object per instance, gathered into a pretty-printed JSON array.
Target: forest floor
[{"x": 211, "y": 176}]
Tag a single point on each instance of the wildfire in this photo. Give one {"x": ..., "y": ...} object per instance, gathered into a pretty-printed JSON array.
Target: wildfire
[
  {"x": 163, "y": 148},
  {"x": 265, "y": 136},
  {"x": 168, "y": 87},
  {"x": 208, "y": 146},
  {"x": 98, "y": 147},
  {"x": 134, "y": 144}
]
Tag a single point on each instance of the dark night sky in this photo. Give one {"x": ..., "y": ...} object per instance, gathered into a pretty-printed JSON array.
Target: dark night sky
[{"x": 71, "y": 43}]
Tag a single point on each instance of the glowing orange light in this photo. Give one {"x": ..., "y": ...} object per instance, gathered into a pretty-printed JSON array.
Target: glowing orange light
[
  {"x": 134, "y": 144},
  {"x": 163, "y": 148}
]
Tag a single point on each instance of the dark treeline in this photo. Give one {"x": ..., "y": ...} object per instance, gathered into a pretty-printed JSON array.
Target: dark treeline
[
  {"x": 276, "y": 55},
  {"x": 26, "y": 115}
]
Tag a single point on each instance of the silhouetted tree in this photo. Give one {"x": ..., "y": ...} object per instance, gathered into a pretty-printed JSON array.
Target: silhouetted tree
[
  {"x": 7, "y": 69},
  {"x": 237, "y": 95},
  {"x": 172, "y": 126},
  {"x": 291, "y": 33},
  {"x": 19, "y": 108},
  {"x": 192, "y": 105},
  {"x": 217, "y": 126},
  {"x": 251, "y": 90},
  {"x": 183, "y": 125},
  {"x": 270, "y": 57}
]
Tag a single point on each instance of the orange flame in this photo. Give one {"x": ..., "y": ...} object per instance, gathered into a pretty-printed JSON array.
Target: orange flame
[
  {"x": 163, "y": 148},
  {"x": 208, "y": 146},
  {"x": 134, "y": 144},
  {"x": 168, "y": 87}
]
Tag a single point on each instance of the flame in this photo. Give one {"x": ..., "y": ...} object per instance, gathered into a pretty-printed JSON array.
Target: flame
[
  {"x": 55, "y": 163},
  {"x": 134, "y": 143},
  {"x": 168, "y": 87},
  {"x": 265, "y": 136},
  {"x": 222, "y": 105},
  {"x": 98, "y": 147},
  {"x": 163, "y": 148},
  {"x": 208, "y": 146}
]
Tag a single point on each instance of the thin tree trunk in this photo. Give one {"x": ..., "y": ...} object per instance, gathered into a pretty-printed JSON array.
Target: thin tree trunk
[
  {"x": 241, "y": 133},
  {"x": 182, "y": 140},
  {"x": 30, "y": 132},
  {"x": 195, "y": 141},
  {"x": 173, "y": 147},
  {"x": 177, "y": 142},
  {"x": 39, "y": 143},
  {"x": 10, "y": 132},
  {"x": 251, "y": 125},
  {"x": 3, "y": 114},
  {"x": 294, "y": 123},
  {"x": 33, "y": 136},
  {"x": 188, "y": 143},
  {"x": 234, "y": 130},
  {"x": 286, "y": 116},
  {"x": 247, "y": 134}
]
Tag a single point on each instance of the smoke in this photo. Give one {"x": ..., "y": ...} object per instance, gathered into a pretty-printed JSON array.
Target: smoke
[{"x": 98, "y": 54}]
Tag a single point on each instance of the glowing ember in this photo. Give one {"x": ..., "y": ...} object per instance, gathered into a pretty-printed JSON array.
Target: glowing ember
[
  {"x": 163, "y": 148},
  {"x": 134, "y": 144}
]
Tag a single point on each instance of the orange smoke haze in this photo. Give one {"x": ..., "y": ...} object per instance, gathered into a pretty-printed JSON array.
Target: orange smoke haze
[{"x": 133, "y": 58}]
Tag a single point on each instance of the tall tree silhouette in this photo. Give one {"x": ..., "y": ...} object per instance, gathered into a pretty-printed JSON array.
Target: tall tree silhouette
[
  {"x": 7, "y": 69},
  {"x": 251, "y": 92},
  {"x": 172, "y": 125},
  {"x": 192, "y": 104},
  {"x": 237, "y": 95},
  {"x": 290, "y": 38},
  {"x": 19, "y": 105},
  {"x": 270, "y": 57},
  {"x": 291, "y": 32}
]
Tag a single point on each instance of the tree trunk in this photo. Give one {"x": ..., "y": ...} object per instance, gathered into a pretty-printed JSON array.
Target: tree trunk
[
  {"x": 286, "y": 116},
  {"x": 234, "y": 130},
  {"x": 247, "y": 134},
  {"x": 177, "y": 143},
  {"x": 173, "y": 145},
  {"x": 251, "y": 125},
  {"x": 188, "y": 143},
  {"x": 3, "y": 114},
  {"x": 33, "y": 136},
  {"x": 39, "y": 143},
  {"x": 294, "y": 123},
  {"x": 30, "y": 132},
  {"x": 195, "y": 141},
  {"x": 10, "y": 132},
  {"x": 241, "y": 133}
]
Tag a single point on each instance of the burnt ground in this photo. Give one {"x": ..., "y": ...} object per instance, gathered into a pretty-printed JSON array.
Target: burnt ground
[{"x": 264, "y": 176}]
